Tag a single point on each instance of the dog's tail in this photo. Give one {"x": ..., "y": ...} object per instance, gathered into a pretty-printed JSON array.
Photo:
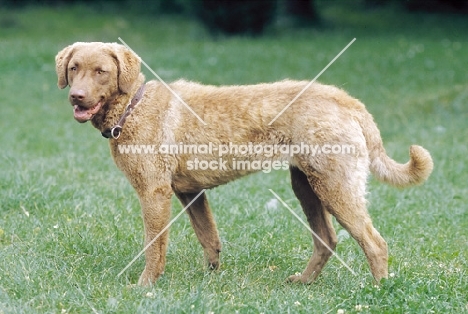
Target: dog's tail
[{"x": 387, "y": 170}]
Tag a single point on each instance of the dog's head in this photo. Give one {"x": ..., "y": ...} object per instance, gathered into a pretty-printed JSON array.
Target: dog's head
[{"x": 96, "y": 73}]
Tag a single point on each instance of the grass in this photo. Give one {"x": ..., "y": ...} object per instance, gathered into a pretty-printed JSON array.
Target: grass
[{"x": 70, "y": 222}]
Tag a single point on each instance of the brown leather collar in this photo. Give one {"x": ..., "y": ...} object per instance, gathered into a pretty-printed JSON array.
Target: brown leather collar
[{"x": 115, "y": 131}]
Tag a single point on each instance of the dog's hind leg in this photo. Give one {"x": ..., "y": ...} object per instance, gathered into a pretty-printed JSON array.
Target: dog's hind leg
[
  {"x": 343, "y": 196},
  {"x": 203, "y": 223},
  {"x": 320, "y": 222}
]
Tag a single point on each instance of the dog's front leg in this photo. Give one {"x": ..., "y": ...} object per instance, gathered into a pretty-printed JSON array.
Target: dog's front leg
[{"x": 156, "y": 211}]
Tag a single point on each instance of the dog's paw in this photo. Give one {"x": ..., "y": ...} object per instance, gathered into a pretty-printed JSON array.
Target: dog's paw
[
  {"x": 213, "y": 265},
  {"x": 297, "y": 277},
  {"x": 147, "y": 279},
  {"x": 144, "y": 280},
  {"x": 212, "y": 259}
]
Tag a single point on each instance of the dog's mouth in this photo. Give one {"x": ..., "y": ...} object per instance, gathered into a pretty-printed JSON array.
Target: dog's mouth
[{"x": 83, "y": 114}]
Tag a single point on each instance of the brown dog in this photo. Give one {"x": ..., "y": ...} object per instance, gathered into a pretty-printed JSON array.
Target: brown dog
[{"x": 104, "y": 78}]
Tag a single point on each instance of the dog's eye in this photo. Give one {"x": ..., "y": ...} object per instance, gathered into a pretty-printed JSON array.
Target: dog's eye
[
  {"x": 73, "y": 68},
  {"x": 100, "y": 71}
]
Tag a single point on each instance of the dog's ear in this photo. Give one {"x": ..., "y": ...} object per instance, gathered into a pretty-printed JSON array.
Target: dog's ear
[
  {"x": 128, "y": 64},
  {"x": 61, "y": 65}
]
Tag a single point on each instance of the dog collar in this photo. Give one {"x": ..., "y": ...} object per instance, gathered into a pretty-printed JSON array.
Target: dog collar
[{"x": 116, "y": 130}]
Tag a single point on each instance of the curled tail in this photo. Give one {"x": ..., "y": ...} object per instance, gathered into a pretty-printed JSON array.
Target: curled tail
[{"x": 385, "y": 169}]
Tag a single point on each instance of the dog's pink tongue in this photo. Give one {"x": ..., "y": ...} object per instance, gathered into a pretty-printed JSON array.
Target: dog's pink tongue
[{"x": 82, "y": 114}]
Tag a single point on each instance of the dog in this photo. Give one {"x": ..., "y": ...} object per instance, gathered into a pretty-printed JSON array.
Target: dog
[{"x": 108, "y": 89}]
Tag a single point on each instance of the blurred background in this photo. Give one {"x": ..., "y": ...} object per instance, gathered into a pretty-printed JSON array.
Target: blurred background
[{"x": 248, "y": 16}]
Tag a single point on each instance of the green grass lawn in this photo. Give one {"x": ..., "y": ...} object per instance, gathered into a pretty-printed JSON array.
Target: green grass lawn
[{"x": 70, "y": 222}]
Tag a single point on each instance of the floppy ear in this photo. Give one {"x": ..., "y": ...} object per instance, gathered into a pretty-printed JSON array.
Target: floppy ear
[
  {"x": 61, "y": 65},
  {"x": 128, "y": 64}
]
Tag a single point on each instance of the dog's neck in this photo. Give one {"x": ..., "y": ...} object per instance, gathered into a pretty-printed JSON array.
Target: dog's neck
[{"x": 114, "y": 108}]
